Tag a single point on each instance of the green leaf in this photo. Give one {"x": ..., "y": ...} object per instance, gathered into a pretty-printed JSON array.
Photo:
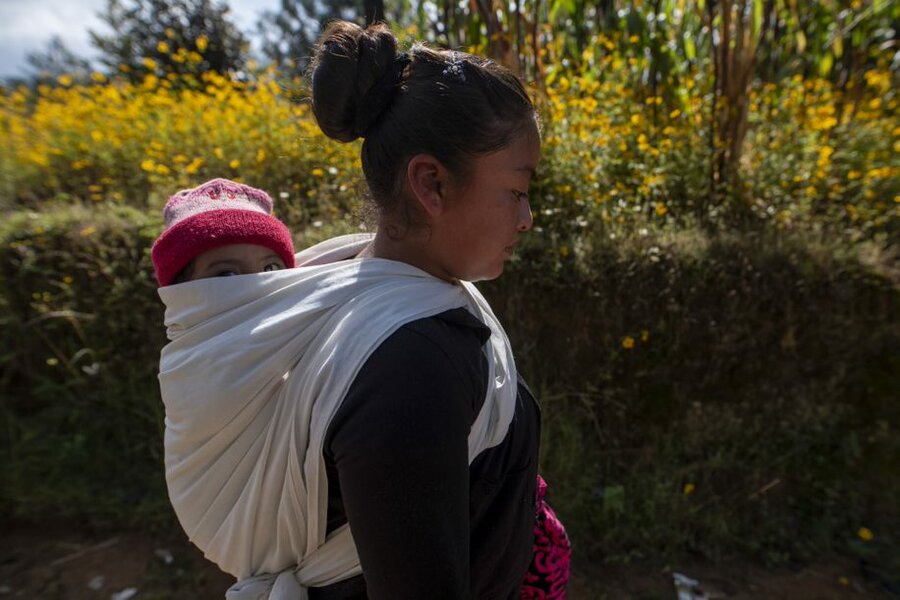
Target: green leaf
[
  {"x": 566, "y": 6},
  {"x": 551, "y": 76},
  {"x": 690, "y": 50},
  {"x": 825, "y": 64},
  {"x": 614, "y": 499},
  {"x": 757, "y": 19}
]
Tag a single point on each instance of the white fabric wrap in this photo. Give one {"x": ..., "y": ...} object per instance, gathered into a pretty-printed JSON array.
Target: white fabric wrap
[{"x": 255, "y": 369}]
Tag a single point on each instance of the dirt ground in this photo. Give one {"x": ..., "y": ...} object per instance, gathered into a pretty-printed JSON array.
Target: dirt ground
[{"x": 65, "y": 564}]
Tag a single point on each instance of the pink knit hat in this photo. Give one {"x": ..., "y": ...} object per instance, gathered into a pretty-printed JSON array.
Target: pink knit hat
[{"x": 218, "y": 213}]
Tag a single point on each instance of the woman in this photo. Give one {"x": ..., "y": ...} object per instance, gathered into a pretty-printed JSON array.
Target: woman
[
  {"x": 395, "y": 411},
  {"x": 450, "y": 146}
]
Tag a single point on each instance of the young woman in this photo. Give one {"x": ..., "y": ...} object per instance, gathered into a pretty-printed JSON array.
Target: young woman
[
  {"x": 372, "y": 390},
  {"x": 451, "y": 144}
]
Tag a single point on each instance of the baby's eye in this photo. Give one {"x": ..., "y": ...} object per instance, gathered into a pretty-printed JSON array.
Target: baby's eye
[
  {"x": 272, "y": 266},
  {"x": 227, "y": 273}
]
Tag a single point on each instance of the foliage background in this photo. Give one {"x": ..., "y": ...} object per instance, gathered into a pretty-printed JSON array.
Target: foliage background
[{"x": 708, "y": 302}]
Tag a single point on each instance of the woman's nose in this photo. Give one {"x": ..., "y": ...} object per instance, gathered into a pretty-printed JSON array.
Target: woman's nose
[{"x": 526, "y": 219}]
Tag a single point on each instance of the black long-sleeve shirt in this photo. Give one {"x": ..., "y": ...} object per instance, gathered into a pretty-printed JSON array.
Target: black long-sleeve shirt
[{"x": 428, "y": 525}]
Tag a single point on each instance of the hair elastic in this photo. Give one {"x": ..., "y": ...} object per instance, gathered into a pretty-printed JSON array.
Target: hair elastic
[{"x": 454, "y": 67}]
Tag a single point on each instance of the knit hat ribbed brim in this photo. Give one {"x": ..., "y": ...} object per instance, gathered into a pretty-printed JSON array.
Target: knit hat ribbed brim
[{"x": 217, "y": 213}]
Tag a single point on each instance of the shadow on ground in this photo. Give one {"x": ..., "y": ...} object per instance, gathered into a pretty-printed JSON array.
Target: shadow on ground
[{"x": 62, "y": 563}]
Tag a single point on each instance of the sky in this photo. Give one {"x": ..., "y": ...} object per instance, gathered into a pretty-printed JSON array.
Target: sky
[{"x": 27, "y": 25}]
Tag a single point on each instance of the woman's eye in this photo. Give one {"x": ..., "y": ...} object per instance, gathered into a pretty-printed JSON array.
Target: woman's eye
[
  {"x": 273, "y": 266},
  {"x": 227, "y": 273},
  {"x": 519, "y": 195}
]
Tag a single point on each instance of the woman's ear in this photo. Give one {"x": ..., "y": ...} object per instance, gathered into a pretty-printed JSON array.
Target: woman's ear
[{"x": 427, "y": 179}]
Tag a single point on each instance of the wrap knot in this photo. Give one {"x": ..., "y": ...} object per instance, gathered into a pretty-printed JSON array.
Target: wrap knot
[{"x": 280, "y": 586}]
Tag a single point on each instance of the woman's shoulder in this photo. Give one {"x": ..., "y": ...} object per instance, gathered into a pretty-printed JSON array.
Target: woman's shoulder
[
  {"x": 433, "y": 365},
  {"x": 433, "y": 356},
  {"x": 456, "y": 326}
]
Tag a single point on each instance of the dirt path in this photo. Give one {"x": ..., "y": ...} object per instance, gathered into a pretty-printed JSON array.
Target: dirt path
[{"x": 65, "y": 564}]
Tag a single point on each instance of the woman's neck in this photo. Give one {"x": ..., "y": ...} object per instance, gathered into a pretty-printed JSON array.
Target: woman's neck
[{"x": 412, "y": 248}]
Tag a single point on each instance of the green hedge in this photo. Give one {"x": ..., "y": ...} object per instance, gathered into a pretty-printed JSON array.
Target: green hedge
[
  {"x": 720, "y": 396},
  {"x": 727, "y": 396}
]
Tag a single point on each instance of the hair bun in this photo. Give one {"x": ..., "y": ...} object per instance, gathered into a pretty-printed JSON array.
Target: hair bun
[{"x": 353, "y": 78}]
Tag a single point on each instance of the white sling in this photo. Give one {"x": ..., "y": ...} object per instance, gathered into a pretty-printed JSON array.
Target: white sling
[{"x": 256, "y": 367}]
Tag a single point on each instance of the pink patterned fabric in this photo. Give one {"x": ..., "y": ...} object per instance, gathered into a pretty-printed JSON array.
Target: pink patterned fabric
[{"x": 548, "y": 574}]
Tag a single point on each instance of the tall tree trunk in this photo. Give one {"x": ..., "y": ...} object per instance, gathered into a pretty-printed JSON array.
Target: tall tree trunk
[
  {"x": 498, "y": 45},
  {"x": 735, "y": 67},
  {"x": 536, "y": 44}
]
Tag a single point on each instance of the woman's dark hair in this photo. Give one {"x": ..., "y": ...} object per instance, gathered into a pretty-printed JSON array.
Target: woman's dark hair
[{"x": 451, "y": 105}]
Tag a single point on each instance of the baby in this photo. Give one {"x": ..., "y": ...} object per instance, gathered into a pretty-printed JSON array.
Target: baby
[{"x": 218, "y": 229}]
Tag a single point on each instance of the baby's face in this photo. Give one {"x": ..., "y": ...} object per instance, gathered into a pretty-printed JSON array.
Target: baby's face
[{"x": 235, "y": 259}]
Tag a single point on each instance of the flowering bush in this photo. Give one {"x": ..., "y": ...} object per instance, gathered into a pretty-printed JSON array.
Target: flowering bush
[
  {"x": 124, "y": 143},
  {"x": 615, "y": 157},
  {"x": 621, "y": 160}
]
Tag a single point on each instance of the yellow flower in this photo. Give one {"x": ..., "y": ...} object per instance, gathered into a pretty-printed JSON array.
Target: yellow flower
[
  {"x": 674, "y": 114},
  {"x": 317, "y": 172},
  {"x": 148, "y": 165},
  {"x": 65, "y": 80},
  {"x": 149, "y": 63},
  {"x": 661, "y": 209},
  {"x": 234, "y": 164},
  {"x": 218, "y": 153},
  {"x": 260, "y": 155},
  {"x": 645, "y": 335},
  {"x": 628, "y": 342},
  {"x": 194, "y": 166},
  {"x": 635, "y": 119},
  {"x": 643, "y": 143},
  {"x": 634, "y": 39},
  {"x": 68, "y": 280},
  {"x": 87, "y": 231},
  {"x": 689, "y": 489},
  {"x": 202, "y": 42},
  {"x": 98, "y": 77},
  {"x": 854, "y": 174},
  {"x": 865, "y": 534},
  {"x": 162, "y": 47},
  {"x": 162, "y": 169}
]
